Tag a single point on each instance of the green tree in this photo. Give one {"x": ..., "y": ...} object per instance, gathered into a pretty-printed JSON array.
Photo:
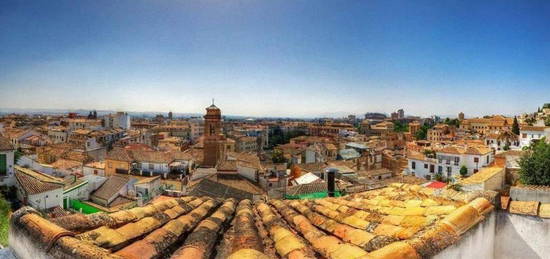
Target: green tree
[
  {"x": 535, "y": 164},
  {"x": 515, "y": 126},
  {"x": 439, "y": 177},
  {"x": 400, "y": 127},
  {"x": 530, "y": 121},
  {"x": 422, "y": 133},
  {"x": 278, "y": 157},
  {"x": 463, "y": 171}
]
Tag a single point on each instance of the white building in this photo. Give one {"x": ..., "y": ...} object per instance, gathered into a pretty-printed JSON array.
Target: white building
[
  {"x": 58, "y": 135},
  {"x": 40, "y": 191},
  {"x": 118, "y": 120},
  {"x": 528, "y": 134},
  {"x": 7, "y": 153},
  {"x": 75, "y": 189},
  {"x": 448, "y": 161},
  {"x": 94, "y": 168},
  {"x": 147, "y": 189},
  {"x": 501, "y": 140},
  {"x": 82, "y": 123},
  {"x": 16, "y": 136}
]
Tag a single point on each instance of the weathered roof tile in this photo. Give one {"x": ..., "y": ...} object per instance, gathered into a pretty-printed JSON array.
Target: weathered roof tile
[{"x": 399, "y": 221}]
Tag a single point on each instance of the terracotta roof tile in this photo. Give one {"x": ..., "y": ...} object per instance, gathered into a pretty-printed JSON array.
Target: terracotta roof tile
[
  {"x": 5, "y": 144},
  {"x": 544, "y": 210},
  {"x": 110, "y": 187},
  {"x": 398, "y": 221},
  {"x": 524, "y": 207},
  {"x": 34, "y": 182}
]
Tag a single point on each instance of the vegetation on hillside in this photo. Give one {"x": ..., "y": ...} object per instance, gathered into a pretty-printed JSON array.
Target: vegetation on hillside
[
  {"x": 4, "y": 221},
  {"x": 535, "y": 164}
]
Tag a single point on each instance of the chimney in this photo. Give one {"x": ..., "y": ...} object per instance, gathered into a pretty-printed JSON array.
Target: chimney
[{"x": 331, "y": 174}]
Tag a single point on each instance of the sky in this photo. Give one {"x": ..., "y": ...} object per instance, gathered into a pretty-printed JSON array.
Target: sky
[{"x": 277, "y": 58}]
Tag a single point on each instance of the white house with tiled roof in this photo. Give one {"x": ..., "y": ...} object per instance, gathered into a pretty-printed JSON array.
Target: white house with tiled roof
[
  {"x": 38, "y": 190},
  {"x": 449, "y": 160},
  {"x": 528, "y": 134}
]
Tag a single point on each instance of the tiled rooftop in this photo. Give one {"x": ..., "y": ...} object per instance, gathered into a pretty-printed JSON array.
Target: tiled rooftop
[
  {"x": 400, "y": 221},
  {"x": 483, "y": 175},
  {"x": 5, "y": 144}
]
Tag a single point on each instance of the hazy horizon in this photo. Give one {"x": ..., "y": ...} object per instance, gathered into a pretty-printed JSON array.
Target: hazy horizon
[{"x": 277, "y": 58}]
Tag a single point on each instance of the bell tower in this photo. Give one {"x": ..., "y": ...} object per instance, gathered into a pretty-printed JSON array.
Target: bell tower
[{"x": 213, "y": 136}]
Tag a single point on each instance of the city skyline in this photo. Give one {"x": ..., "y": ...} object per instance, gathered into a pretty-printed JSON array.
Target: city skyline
[{"x": 277, "y": 59}]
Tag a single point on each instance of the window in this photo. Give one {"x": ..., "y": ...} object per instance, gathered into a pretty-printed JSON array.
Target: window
[
  {"x": 457, "y": 160},
  {"x": 476, "y": 159},
  {"x": 440, "y": 169},
  {"x": 487, "y": 159},
  {"x": 151, "y": 166},
  {"x": 413, "y": 165},
  {"x": 426, "y": 166},
  {"x": 432, "y": 168}
]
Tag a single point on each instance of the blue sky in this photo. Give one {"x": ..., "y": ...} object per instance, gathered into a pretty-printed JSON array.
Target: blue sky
[{"x": 278, "y": 58}]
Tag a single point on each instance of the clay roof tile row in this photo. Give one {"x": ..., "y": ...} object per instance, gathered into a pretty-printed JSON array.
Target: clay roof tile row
[{"x": 399, "y": 221}]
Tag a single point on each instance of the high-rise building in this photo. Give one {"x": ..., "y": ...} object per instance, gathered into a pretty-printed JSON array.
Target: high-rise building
[
  {"x": 214, "y": 139},
  {"x": 170, "y": 115}
]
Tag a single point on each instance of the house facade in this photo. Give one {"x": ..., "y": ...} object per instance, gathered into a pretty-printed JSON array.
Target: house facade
[
  {"x": 448, "y": 161},
  {"x": 38, "y": 190},
  {"x": 528, "y": 134}
]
